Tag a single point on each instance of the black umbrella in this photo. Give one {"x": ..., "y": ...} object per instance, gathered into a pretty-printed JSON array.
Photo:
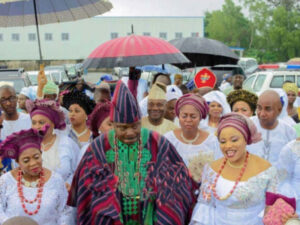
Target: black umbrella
[{"x": 204, "y": 52}]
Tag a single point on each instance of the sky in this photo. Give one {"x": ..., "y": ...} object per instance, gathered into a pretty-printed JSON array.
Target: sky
[{"x": 163, "y": 7}]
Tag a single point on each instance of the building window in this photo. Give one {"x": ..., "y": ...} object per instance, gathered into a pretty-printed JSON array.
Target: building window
[
  {"x": 147, "y": 34},
  {"x": 1, "y": 37},
  {"x": 195, "y": 34},
  {"x": 48, "y": 37},
  {"x": 65, "y": 36},
  {"x": 15, "y": 37},
  {"x": 113, "y": 35},
  {"x": 31, "y": 37},
  {"x": 163, "y": 35},
  {"x": 178, "y": 35}
]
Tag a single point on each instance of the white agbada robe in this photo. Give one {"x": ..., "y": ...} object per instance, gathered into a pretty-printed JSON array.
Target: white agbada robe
[
  {"x": 272, "y": 141},
  {"x": 11, "y": 126}
]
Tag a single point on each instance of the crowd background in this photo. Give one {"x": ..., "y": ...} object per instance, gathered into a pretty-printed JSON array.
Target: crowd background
[{"x": 221, "y": 153}]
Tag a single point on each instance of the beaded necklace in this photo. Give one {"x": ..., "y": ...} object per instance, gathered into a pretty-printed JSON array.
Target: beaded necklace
[
  {"x": 38, "y": 197},
  {"x": 236, "y": 182},
  {"x": 119, "y": 171},
  {"x": 130, "y": 166},
  {"x": 130, "y": 188}
]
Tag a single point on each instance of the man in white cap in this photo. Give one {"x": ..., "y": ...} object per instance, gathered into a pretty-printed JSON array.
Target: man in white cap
[
  {"x": 156, "y": 110},
  {"x": 173, "y": 93}
]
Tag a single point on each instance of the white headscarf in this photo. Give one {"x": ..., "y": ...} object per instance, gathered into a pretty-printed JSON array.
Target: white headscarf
[
  {"x": 284, "y": 114},
  {"x": 29, "y": 92},
  {"x": 173, "y": 92},
  {"x": 219, "y": 97}
]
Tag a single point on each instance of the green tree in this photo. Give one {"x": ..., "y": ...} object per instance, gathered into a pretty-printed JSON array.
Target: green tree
[
  {"x": 277, "y": 24},
  {"x": 229, "y": 25}
]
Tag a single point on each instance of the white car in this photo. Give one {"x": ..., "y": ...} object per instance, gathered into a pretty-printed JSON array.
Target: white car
[
  {"x": 56, "y": 76},
  {"x": 270, "y": 79}
]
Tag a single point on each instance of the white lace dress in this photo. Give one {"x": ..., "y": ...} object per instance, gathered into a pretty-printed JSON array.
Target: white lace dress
[
  {"x": 62, "y": 157},
  {"x": 209, "y": 148},
  {"x": 241, "y": 208},
  {"x": 289, "y": 171},
  {"x": 53, "y": 209}
]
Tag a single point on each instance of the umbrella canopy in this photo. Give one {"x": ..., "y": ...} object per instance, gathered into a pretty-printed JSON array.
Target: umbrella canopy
[
  {"x": 166, "y": 68},
  {"x": 294, "y": 61},
  {"x": 134, "y": 50},
  {"x": 22, "y": 12},
  {"x": 204, "y": 52}
]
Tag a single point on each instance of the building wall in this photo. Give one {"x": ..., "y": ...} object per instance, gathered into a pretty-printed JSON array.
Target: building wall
[{"x": 86, "y": 35}]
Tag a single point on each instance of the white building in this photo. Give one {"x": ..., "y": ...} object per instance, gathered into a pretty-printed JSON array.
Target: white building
[{"x": 76, "y": 40}]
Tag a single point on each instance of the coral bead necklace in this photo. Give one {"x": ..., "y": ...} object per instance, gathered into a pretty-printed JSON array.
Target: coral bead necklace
[
  {"x": 213, "y": 188},
  {"x": 38, "y": 197}
]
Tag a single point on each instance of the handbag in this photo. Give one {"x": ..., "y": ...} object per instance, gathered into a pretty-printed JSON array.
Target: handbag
[
  {"x": 276, "y": 211},
  {"x": 272, "y": 197}
]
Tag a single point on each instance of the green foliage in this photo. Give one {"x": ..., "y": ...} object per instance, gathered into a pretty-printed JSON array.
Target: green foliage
[
  {"x": 228, "y": 25},
  {"x": 270, "y": 33}
]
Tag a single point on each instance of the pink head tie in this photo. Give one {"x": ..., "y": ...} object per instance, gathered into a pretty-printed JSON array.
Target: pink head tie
[
  {"x": 16, "y": 143},
  {"x": 195, "y": 100},
  {"x": 242, "y": 124}
]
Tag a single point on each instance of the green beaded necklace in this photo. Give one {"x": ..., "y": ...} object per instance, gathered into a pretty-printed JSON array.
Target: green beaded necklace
[{"x": 130, "y": 167}]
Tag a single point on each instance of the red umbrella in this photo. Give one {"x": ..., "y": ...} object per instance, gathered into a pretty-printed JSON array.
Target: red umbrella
[{"x": 134, "y": 50}]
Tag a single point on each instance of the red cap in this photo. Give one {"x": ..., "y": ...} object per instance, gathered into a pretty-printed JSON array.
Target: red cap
[{"x": 205, "y": 78}]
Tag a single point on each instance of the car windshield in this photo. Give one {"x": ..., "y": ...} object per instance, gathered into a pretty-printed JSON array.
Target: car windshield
[
  {"x": 33, "y": 79},
  {"x": 277, "y": 81},
  {"x": 55, "y": 77},
  {"x": 248, "y": 82},
  {"x": 64, "y": 77},
  {"x": 259, "y": 82}
]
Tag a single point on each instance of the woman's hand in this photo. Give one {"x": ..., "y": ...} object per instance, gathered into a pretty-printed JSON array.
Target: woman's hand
[
  {"x": 68, "y": 186},
  {"x": 286, "y": 217}
]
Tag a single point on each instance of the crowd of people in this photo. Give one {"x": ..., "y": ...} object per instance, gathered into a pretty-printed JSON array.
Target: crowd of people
[{"x": 163, "y": 154}]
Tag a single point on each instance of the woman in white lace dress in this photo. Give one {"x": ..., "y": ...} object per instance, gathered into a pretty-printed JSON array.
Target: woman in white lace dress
[
  {"x": 233, "y": 187},
  {"x": 60, "y": 152},
  {"x": 196, "y": 146},
  {"x": 31, "y": 190}
]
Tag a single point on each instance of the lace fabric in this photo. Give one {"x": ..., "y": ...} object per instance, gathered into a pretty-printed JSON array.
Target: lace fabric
[
  {"x": 242, "y": 207},
  {"x": 53, "y": 209}
]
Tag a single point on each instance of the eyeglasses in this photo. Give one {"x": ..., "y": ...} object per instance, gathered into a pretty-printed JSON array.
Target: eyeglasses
[{"x": 10, "y": 99}]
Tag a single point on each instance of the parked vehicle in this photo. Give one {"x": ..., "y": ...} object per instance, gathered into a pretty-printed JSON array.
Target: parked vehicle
[
  {"x": 271, "y": 79},
  {"x": 16, "y": 77},
  {"x": 57, "y": 76}
]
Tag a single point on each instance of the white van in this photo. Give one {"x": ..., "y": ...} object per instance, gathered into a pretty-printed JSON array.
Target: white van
[{"x": 270, "y": 79}]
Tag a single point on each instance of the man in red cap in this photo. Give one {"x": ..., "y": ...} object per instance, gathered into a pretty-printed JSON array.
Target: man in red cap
[{"x": 131, "y": 175}]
